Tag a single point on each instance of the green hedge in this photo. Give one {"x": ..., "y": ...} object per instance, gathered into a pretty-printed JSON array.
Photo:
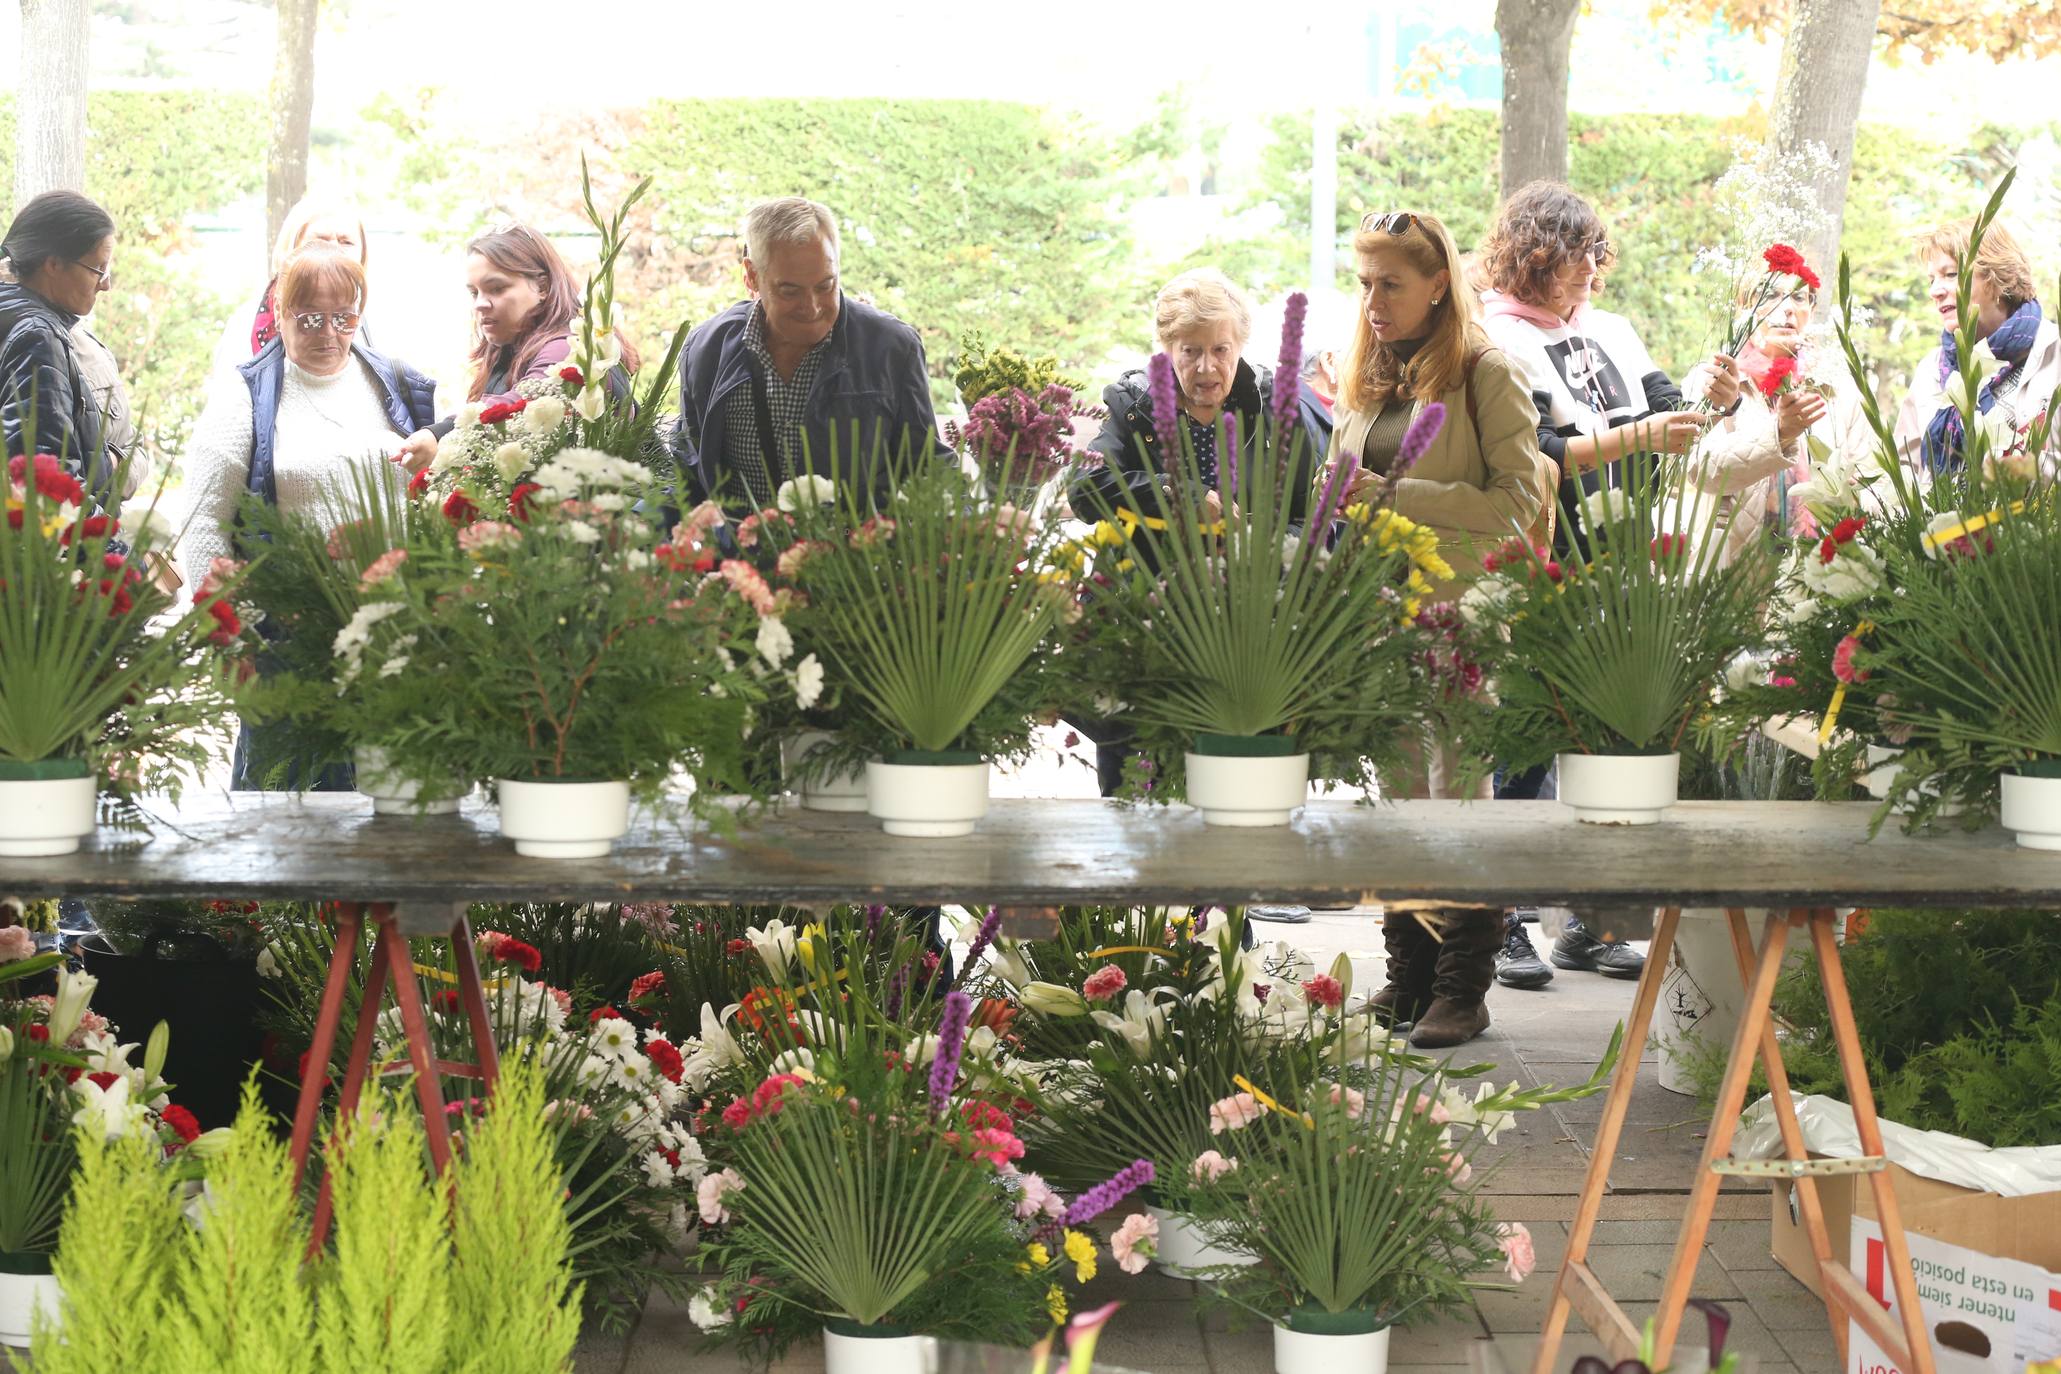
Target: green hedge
[{"x": 155, "y": 159}]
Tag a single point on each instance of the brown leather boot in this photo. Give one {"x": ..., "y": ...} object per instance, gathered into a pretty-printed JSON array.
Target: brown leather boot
[
  {"x": 1412, "y": 962},
  {"x": 1464, "y": 968}
]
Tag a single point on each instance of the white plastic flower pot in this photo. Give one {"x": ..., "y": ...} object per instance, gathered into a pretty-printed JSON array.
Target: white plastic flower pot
[
  {"x": 1308, "y": 1352},
  {"x": 1183, "y": 1248},
  {"x": 393, "y": 795},
  {"x": 564, "y": 820},
  {"x": 2032, "y": 807},
  {"x": 835, "y": 792},
  {"x": 43, "y": 817},
  {"x": 1618, "y": 789},
  {"x": 1701, "y": 996},
  {"x": 1247, "y": 791},
  {"x": 927, "y": 800},
  {"x": 21, "y": 1295},
  {"x": 846, "y": 1353}
]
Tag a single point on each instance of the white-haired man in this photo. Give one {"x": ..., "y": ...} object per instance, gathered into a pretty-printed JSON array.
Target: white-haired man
[{"x": 799, "y": 377}]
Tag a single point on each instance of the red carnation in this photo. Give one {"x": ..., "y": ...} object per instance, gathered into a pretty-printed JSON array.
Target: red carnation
[
  {"x": 51, "y": 478},
  {"x": 228, "y": 624},
  {"x": 519, "y": 506},
  {"x": 571, "y": 374},
  {"x": 507, "y": 949},
  {"x": 600, "y": 1014},
  {"x": 1324, "y": 990},
  {"x": 737, "y": 1115},
  {"x": 1781, "y": 371},
  {"x": 1667, "y": 546},
  {"x": 92, "y": 527},
  {"x": 1828, "y": 549},
  {"x": 1783, "y": 259},
  {"x": 501, "y": 410},
  {"x": 103, "y": 1079},
  {"x": 458, "y": 510},
  {"x": 666, "y": 1059},
  {"x": 39, "y": 1031},
  {"x": 647, "y": 986},
  {"x": 1846, "y": 529},
  {"x": 419, "y": 483},
  {"x": 737, "y": 948},
  {"x": 183, "y": 1123}
]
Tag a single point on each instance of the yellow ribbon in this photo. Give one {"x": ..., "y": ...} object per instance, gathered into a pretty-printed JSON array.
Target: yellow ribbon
[
  {"x": 1938, "y": 540},
  {"x": 1270, "y": 1104},
  {"x": 1126, "y": 949},
  {"x": 1831, "y": 721}
]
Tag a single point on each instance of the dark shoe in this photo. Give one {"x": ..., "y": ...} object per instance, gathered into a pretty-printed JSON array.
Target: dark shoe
[
  {"x": 1518, "y": 964},
  {"x": 1286, "y": 915},
  {"x": 1412, "y": 964},
  {"x": 1577, "y": 949},
  {"x": 1465, "y": 967}
]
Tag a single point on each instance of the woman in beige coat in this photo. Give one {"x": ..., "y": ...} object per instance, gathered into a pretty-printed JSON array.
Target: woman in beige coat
[{"x": 1482, "y": 481}]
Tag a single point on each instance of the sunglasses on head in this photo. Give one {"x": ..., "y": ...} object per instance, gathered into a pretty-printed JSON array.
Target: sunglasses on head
[{"x": 1396, "y": 222}]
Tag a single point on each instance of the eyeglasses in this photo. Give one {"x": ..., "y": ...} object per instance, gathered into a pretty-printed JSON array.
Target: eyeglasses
[
  {"x": 106, "y": 274},
  {"x": 1600, "y": 251},
  {"x": 1396, "y": 222},
  {"x": 343, "y": 321}
]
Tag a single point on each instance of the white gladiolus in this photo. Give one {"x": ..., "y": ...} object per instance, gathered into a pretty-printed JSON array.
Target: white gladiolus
[
  {"x": 74, "y": 991},
  {"x": 1956, "y": 390},
  {"x": 1854, "y": 573},
  {"x": 544, "y": 415},
  {"x": 1982, "y": 363},
  {"x": 592, "y": 402}
]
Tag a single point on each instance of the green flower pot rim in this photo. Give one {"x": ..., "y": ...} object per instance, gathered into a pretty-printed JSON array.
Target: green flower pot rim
[
  {"x": 932, "y": 758},
  {"x": 878, "y": 1331},
  {"x": 31, "y": 1262},
  {"x": 1353, "y": 1321},
  {"x": 2038, "y": 768},
  {"x": 44, "y": 770},
  {"x": 1246, "y": 746}
]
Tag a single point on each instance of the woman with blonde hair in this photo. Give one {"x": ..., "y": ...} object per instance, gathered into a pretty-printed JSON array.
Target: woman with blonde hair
[
  {"x": 2024, "y": 345},
  {"x": 1482, "y": 480},
  {"x": 311, "y": 220}
]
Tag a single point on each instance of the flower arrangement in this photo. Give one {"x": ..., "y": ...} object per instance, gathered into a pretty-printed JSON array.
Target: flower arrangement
[
  {"x": 93, "y": 684},
  {"x": 1619, "y": 655},
  {"x": 1786, "y": 271},
  {"x": 1226, "y": 625},
  {"x": 1020, "y": 417}
]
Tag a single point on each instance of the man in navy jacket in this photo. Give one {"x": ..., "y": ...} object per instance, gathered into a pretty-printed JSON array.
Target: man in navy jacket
[{"x": 800, "y": 378}]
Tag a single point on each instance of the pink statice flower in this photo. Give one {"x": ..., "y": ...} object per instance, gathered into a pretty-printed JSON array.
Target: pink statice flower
[
  {"x": 381, "y": 568},
  {"x": 1103, "y": 984},
  {"x": 1324, "y": 991},
  {"x": 1135, "y": 1243},
  {"x": 1234, "y": 1113}
]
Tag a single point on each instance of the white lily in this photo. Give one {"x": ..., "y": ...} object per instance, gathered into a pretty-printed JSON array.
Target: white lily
[
  {"x": 74, "y": 992},
  {"x": 1138, "y": 1025},
  {"x": 716, "y": 1049},
  {"x": 1052, "y": 999},
  {"x": 108, "y": 1110},
  {"x": 775, "y": 943},
  {"x": 1005, "y": 961}
]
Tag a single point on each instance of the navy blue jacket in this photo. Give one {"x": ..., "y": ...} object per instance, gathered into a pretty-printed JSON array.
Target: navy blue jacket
[
  {"x": 873, "y": 373},
  {"x": 40, "y": 377},
  {"x": 410, "y": 404}
]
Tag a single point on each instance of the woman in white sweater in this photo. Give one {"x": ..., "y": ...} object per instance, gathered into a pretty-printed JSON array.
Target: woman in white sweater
[{"x": 290, "y": 425}]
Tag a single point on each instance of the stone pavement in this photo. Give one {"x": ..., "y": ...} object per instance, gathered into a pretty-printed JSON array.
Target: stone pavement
[{"x": 1554, "y": 1035}]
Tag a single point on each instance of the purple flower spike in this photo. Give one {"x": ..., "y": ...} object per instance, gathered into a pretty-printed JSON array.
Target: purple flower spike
[
  {"x": 1101, "y": 1198},
  {"x": 1340, "y": 481},
  {"x": 897, "y": 986},
  {"x": 1288, "y": 376},
  {"x": 874, "y": 911},
  {"x": 1166, "y": 407},
  {"x": 1227, "y": 469},
  {"x": 982, "y": 938},
  {"x": 1422, "y": 431},
  {"x": 951, "y": 1043}
]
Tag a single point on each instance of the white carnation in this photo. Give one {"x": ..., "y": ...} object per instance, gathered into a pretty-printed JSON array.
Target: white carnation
[
  {"x": 775, "y": 644},
  {"x": 809, "y": 490},
  {"x": 808, "y": 682},
  {"x": 544, "y": 415}
]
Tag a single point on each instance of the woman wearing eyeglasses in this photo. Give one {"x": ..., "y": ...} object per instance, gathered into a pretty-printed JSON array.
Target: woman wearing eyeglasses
[
  {"x": 292, "y": 423},
  {"x": 60, "y": 249},
  {"x": 1481, "y": 480}
]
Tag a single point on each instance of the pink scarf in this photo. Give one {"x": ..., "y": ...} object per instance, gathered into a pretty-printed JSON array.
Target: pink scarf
[{"x": 1496, "y": 303}]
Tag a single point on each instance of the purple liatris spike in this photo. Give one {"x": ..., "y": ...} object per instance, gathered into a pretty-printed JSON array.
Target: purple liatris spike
[
  {"x": 951, "y": 1042},
  {"x": 874, "y": 911},
  {"x": 897, "y": 986},
  {"x": 1104, "y": 1196},
  {"x": 1166, "y": 406},
  {"x": 1227, "y": 465},
  {"x": 1335, "y": 486},
  {"x": 982, "y": 938},
  {"x": 1288, "y": 376},
  {"x": 1417, "y": 439}
]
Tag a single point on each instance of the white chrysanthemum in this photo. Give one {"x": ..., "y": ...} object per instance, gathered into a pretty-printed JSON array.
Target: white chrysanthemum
[
  {"x": 808, "y": 682},
  {"x": 774, "y": 643},
  {"x": 657, "y": 1172},
  {"x": 707, "y": 1311},
  {"x": 580, "y": 532}
]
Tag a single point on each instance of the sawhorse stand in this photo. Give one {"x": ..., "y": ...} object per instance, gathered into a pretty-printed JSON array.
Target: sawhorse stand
[
  {"x": 391, "y": 963},
  {"x": 1577, "y": 1287}
]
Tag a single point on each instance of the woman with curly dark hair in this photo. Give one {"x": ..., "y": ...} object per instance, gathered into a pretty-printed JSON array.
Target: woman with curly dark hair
[{"x": 1601, "y": 398}]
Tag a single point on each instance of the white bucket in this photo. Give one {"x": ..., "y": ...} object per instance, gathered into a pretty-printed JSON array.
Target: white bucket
[{"x": 1701, "y": 996}]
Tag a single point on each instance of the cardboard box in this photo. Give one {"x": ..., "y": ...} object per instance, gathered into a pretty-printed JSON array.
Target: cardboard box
[
  {"x": 1983, "y": 1315},
  {"x": 2026, "y": 1229}
]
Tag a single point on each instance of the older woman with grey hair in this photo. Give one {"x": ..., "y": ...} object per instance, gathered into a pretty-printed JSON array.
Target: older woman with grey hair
[{"x": 799, "y": 377}]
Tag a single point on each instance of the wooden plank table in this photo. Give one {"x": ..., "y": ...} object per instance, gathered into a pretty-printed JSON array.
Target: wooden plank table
[{"x": 1794, "y": 859}]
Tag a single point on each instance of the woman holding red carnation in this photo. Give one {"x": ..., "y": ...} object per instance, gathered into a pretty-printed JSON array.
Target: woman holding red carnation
[{"x": 1750, "y": 459}]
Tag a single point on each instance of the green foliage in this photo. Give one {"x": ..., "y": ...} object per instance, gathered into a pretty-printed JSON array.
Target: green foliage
[
  {"x": 114, "y": 1261},
  {"x": 159, "y": 158},
  {"x": 36, "y": 1156},
  {"x": 932, "y": 231},
  {"x": 386, "y": 1300},
  {"x": 241, "y": 1302}
]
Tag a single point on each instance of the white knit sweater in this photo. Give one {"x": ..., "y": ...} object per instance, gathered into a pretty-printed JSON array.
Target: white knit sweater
[{"x": 324, "y": 425}]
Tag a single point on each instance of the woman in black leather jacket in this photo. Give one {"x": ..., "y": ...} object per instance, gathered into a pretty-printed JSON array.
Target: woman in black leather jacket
[{"x": 60, "y": 248}]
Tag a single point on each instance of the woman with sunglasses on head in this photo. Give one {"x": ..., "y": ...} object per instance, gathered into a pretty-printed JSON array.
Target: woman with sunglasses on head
[
  {"x": 1601, "y": 398},
  {"x": 60, "y": 252},
  {"x": 525, "y": 307},
  {"x": 1482, "y": 480},
  {"x": 292, "y": 423}
]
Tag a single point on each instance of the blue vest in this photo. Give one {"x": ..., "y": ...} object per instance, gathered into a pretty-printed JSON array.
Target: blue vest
[{"x": 410, "y": 401}]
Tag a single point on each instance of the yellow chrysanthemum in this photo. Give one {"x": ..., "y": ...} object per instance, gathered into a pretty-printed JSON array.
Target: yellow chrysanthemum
[
  {"x": 1106, "y": 534},
  {"x": 1081, "y": 1251},
  {"x": 1125, "y": 565},
  {"x": 1055, "y": 1304},
  {"x": 1436, "y": 566},
  {"x": 1039, "y": 1255}
]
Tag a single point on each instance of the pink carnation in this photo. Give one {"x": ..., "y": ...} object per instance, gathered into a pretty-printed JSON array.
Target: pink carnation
[
  {"x": 381, "y": 568},
  {"x": 1234, "y": 1113},
  {"x": 1518, "y": 1257},
  {"x": 484, "y": 534},
  {"x": 996, "y": 1146},
  {"x": 16, "y": 943},
  {"x": 1136, "y": 1242},
  {"x": 791, "y": 558},
  {"x": 1324, "y": 990},
  {"x": 711, "y": 1193},
  {"x": 1457, "y": 1167},
  {"x": 220, "y": 571},
  {"x": 744, "y": 579},
  {"x": 1210, "y": 1166},
  {"x": 1103, "y": 984},
  {"x": 1842, "y": 660},
  {"x": 1355, "y": 1101}
]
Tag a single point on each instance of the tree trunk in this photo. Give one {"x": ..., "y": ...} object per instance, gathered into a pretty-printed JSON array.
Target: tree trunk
[
  {"x": 50, "y": 106},
  {"x": 1818, "y": 100},
  {"x": 293, "y": 104},
  {"x": 1535, "y": 36}
]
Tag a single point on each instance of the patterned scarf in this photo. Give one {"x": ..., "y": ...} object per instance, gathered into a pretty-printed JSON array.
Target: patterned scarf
[{"x": 2011, "y": 341}]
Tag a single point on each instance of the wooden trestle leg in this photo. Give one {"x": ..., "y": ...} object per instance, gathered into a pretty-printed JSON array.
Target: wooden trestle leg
[{"x": 391, "y": 964}]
